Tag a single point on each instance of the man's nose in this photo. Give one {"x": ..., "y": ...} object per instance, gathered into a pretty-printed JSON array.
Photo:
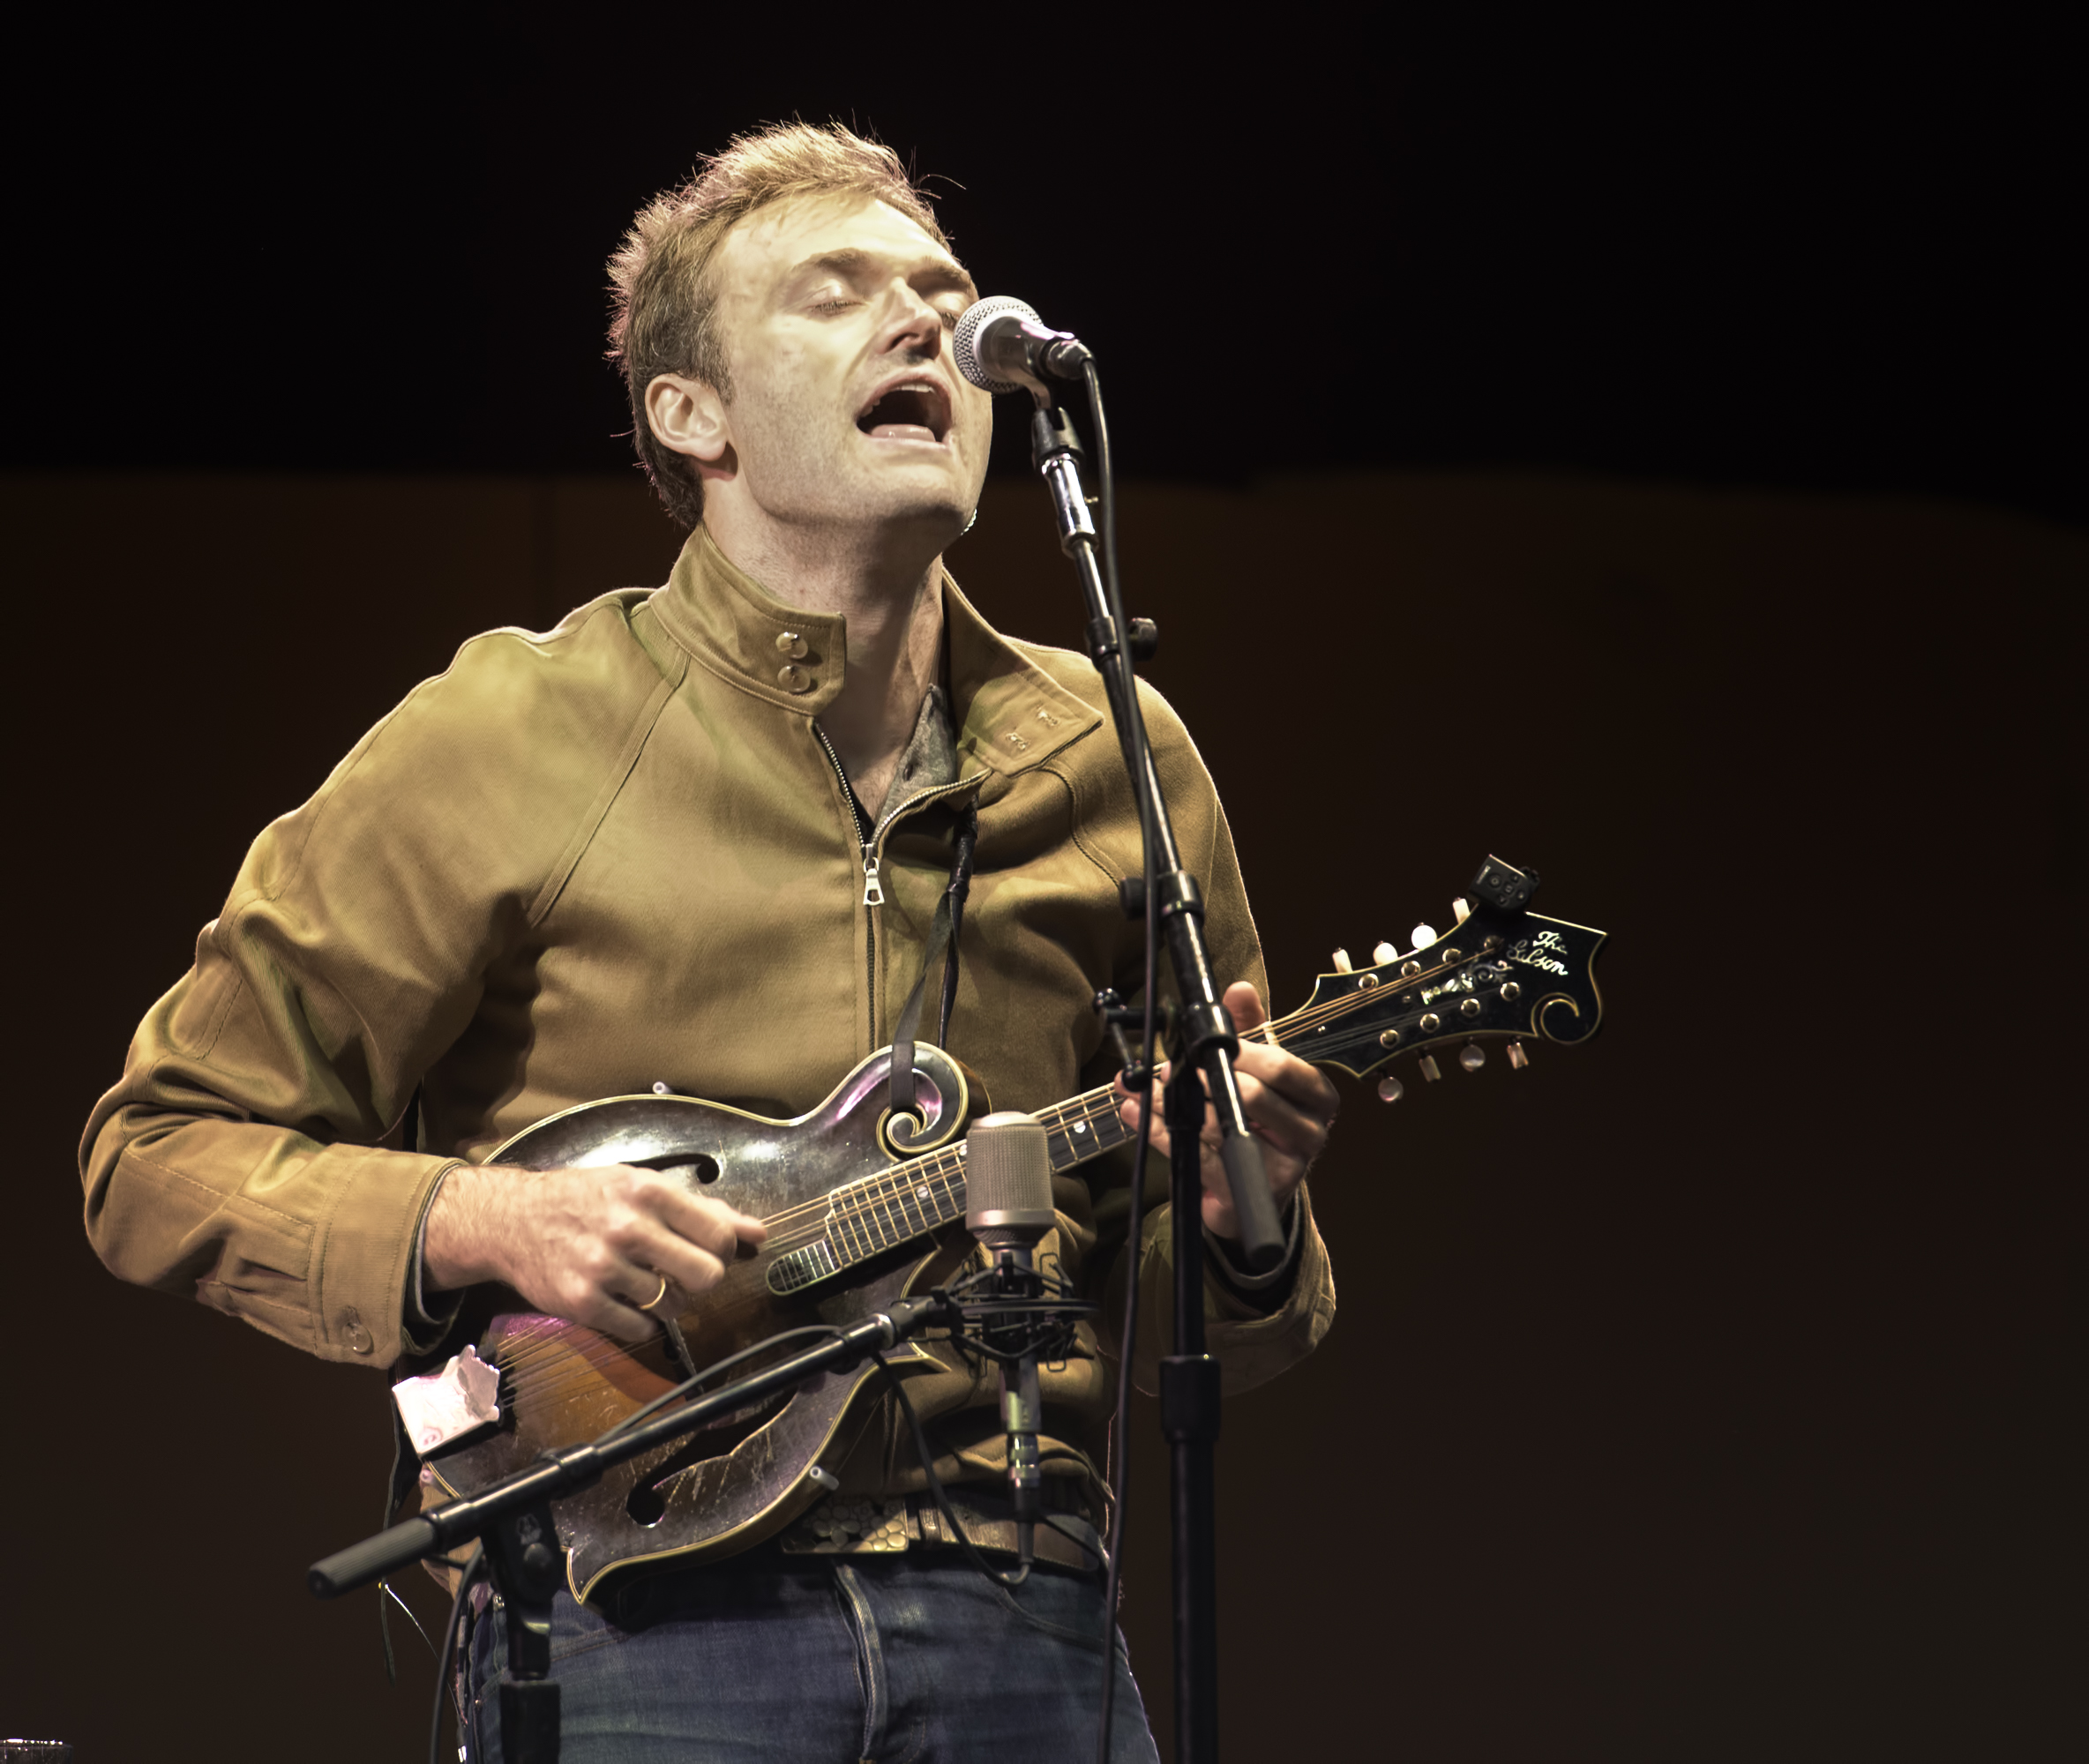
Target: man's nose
[{"x": 913, "y": 323}]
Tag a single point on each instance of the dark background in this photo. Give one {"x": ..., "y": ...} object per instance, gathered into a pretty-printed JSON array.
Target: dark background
[
  {"x": 1695, "y": 251},
  {"x": 1654, "y": 455}
]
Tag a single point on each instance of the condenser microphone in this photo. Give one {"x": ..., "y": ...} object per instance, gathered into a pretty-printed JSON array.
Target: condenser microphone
[
  {"x": 1008, "y": 1184},
  {"x": 1002, "y": 344},
  {"x": 1008, "y": 1209}
]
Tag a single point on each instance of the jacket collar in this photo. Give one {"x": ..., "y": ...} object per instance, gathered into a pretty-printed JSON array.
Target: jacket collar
[
  {"x": 1014, "y": 716},
  {"x": 1010, "y": 714},
  {"x": 733, "y": 626}
]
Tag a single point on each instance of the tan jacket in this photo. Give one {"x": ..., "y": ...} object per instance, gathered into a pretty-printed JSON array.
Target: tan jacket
[{"x": 618, "y": 852}]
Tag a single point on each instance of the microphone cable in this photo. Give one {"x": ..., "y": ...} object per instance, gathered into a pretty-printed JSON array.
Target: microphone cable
[
  {"x": 475, "y": 1566},
  {"x": 1135, "y": 1217},
  {"x": 1021, "y": 1571}
]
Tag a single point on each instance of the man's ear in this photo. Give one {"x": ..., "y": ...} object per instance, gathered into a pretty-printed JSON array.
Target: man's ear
[{"x": 689, "y": 416}]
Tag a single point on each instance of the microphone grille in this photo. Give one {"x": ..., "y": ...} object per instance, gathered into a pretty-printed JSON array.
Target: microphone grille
[
  {"x": 1008, "y": 1178},
  {"x": 964, "y": 345}
]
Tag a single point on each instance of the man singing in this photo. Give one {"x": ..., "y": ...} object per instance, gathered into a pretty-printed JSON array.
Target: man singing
[{"x": 699, "y": 836}]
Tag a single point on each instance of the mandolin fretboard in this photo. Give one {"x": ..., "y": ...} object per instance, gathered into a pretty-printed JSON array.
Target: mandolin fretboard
[{"x": 880, "y": 1212}]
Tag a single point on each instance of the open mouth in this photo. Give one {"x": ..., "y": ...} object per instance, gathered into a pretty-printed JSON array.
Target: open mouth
[{"x": 913, "y": 410}]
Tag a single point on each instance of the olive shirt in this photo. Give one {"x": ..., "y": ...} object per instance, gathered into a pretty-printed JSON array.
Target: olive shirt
[{"x": 620, "y": 852}]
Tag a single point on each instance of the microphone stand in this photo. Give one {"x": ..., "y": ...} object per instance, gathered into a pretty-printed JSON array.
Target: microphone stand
[
  {"x": 1202, "y": 1042},
  {"x": 512, "y": 1519}
]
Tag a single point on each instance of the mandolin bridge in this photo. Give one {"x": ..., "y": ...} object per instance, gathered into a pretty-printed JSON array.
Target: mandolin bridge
[{"x": 794, "y": 1270}]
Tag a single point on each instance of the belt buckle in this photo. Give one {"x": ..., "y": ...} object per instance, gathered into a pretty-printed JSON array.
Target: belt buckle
[{"x": 851, "y": 1525}]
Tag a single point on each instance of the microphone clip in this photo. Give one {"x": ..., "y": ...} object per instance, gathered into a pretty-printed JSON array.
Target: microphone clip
[
  {"x": 1008, "y": 1312},
  {"x": 1118, "y": 1016},
  {"x": 1053, "y": 435}
]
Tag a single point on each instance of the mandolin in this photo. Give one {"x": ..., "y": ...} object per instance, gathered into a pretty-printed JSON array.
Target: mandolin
[{"x": 856, "y": 1207}]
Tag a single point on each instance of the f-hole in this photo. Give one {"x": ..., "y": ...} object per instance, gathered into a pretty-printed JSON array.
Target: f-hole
[
  {"x": 697, "y": 1170},
  {"x": 647, "y": 1504}
]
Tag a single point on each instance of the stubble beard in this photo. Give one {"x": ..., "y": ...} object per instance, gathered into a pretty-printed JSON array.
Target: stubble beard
[{"x": 836, "y": 508}]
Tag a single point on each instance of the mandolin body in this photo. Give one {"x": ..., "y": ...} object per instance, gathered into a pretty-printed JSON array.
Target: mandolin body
[{"x": 738, "y": 1481}]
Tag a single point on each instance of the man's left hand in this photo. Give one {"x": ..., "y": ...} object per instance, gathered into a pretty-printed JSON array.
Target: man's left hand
[{"x": 1289, "y": 1105}]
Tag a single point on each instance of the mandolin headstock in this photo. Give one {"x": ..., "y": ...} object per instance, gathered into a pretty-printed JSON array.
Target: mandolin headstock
[{"x": 1503, "y": 973}]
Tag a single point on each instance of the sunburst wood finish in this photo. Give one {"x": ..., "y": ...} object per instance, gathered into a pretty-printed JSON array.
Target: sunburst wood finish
[{"x": 859, "y": 1213}]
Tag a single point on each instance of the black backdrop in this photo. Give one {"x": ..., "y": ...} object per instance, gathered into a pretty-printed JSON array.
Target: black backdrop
[
  {"x": 1697, "y": 250},
  {"x": 1635, "y": 456}
]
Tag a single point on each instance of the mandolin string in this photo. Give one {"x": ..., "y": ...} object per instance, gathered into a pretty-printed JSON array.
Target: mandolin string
[
  {"x": 557, "y": 1359},
  {"x": 1085, "y": 1109},
  {"x": 901, "y": 1183},
  {"x": 870, "y": 1204},
  {"x": 878, "y": 1204},
  {"x": 560, "y": 1343},
  {"x": 871, "y": 1207},
  {"x": 554, "y": 1360},
  {"x": 543, "y": 1364}
]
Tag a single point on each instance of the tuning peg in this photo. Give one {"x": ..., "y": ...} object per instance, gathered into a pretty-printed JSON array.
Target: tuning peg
[
  {"x": 1428, "y": 1063},
  {"x": 1518, "y": 1058},
  {"x": 1424, "y": 936},
  {"x": 1383, "y": 952},
  {"x": 1472, "y": 1057},
  {"x": 1462, "y": 907},
  {"x": 1341, "y": 961},
  {"x": 1390, "y": 1090}
]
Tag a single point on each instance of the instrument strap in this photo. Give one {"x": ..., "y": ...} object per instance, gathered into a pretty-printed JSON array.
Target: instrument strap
[{"x": 943, "y": 933}]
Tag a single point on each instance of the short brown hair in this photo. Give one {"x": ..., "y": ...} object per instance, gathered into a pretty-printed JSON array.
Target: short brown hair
[{"x": 662, "y": 318}]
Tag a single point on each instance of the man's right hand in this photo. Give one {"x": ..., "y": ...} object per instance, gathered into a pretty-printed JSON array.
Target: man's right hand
[{"x": 589, "y": 1245}]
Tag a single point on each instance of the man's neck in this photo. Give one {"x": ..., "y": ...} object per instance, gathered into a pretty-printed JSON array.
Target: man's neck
[{"x": 893, "y": 602}]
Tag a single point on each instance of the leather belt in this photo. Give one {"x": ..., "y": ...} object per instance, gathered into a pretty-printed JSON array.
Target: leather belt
[{"x": 859, "y": 1525}]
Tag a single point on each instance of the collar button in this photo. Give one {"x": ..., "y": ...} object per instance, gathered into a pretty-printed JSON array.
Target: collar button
[{"x": 793, "y": 679}]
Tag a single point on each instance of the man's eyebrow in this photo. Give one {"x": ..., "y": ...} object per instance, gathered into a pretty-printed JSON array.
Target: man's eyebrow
[{"x": 851, "y": 261}]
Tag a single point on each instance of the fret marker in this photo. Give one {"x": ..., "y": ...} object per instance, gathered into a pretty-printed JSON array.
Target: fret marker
[
  {"x": 1081, "y": 1127},
  {"x": 922, "y": 1195}
]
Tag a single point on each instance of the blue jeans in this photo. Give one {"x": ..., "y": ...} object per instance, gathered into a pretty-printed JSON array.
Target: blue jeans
[{"x": 911, "y": 1659}]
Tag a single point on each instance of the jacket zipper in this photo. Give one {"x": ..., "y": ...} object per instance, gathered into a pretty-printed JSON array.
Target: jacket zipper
[{"x": 869, "y": 841}]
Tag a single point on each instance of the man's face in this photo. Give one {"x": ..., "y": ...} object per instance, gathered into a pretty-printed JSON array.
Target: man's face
[{"x": 847, "y": 409}]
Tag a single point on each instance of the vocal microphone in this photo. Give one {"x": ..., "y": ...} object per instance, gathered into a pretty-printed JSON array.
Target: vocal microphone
[
  {"x": 1008, "y": 1209},
  {"x": 1002, "y": 344}
]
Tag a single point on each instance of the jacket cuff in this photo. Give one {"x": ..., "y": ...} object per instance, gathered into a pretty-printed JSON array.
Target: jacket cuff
[
  {"x": 365, "y": 1256},
  {"x": 422, "y": 1326}
]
